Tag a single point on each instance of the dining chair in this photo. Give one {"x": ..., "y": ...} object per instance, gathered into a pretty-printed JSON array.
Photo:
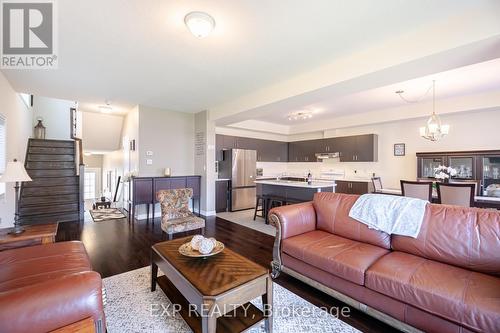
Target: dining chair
[
  {"x": 377, "y": 184},
  {"x": 458, "y": 194},
  {"x": 419, "y": 189},
  {"x": 477, "y": 184},
  {"x": 175, "y": 214}
]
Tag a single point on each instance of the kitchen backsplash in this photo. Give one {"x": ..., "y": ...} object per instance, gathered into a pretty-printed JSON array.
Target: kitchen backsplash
[{"x": 351, "y": 170}]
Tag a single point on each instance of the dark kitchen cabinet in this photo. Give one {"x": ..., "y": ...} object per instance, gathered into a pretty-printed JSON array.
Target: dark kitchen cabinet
[
  {"x": 302, "y": 151},
  {"x": 221, "y": 195},
  {"x": 272, "y": 151},
  {"x": 358, "y": 148},
  {"x": 326, "y": 146},
  {"x": 353, "y": 187}
]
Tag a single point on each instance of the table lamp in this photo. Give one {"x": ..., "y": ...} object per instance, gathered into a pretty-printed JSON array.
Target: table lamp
[{"x": 15, "y": 173}]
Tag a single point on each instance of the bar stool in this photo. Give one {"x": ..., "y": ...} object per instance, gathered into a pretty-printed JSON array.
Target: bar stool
[
  {"x": 271, "y": 202},
  {"x": 261, "y": 202}
]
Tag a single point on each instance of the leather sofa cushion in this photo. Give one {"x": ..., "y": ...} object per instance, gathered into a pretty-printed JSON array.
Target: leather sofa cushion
[
  {"x": 337, "y": 255},
  {"x": 465, "y": 297},
  {"x": 332, "y": 214},
  {"x": 464, "y": 237},
  {"x": 30, "y": 265}
]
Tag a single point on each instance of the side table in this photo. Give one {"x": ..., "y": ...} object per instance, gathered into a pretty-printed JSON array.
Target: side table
[{"x": 32, "y": 235}]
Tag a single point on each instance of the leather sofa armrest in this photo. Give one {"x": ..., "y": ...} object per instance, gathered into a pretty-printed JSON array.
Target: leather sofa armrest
[
  {"x": 293, "y": 220},
  {"x": 290, "y": 221},
  {"x": 52, "y": 304}
]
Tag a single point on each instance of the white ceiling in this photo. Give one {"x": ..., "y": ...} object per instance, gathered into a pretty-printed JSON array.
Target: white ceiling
[
  {"x": 473, "y": 79},
  {"x": 140, "y": 52}
]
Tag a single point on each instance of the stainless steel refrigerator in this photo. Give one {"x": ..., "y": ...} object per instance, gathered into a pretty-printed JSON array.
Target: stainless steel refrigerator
[{"x": 239, "y": 166}]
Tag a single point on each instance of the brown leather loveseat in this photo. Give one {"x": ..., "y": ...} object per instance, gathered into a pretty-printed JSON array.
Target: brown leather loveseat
[
  {"x": 445, "y": 280},
  {"x": 47, "y": 287}
]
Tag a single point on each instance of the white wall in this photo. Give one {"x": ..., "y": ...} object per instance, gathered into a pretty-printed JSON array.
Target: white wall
[
  {"x": 19, "y": 128},
  {"x": 204, "y": 161},
  {"x": 56, "y": 116},
  {"x": 469, "y": 131},
  {"x": 93, "y": 161},
  {"x": 170, "y": 137},
  {"x": 101, "y": 132}
]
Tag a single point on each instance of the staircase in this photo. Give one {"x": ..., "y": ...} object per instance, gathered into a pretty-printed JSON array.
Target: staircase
[{"x": 54, "y": 193}]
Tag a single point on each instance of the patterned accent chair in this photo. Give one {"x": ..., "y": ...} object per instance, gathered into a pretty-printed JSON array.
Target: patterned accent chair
[{"x": 175, "y": 214}]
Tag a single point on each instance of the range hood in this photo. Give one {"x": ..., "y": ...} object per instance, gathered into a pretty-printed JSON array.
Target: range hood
[{"x": 324, "y": 156}]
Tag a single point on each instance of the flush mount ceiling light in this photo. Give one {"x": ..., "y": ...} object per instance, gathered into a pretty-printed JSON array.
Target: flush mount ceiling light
[
  {"x": 199, "y": 23},
  {"x": 105, "y": 108},
  {"x": 433, "y": 129},
  {"x": 300, "y": 115}
]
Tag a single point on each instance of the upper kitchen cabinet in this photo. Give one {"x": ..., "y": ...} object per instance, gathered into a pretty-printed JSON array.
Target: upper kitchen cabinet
[
  {"x": 302, "y": 151},
  {"x": 357, "y": 148},
  {"x": 326, "y": 146},
  {"x": 267, "y": 150},
  {"x": 272, "y": 151}
]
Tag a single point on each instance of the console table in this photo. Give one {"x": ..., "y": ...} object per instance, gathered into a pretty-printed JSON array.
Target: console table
[{"x": 142, "y": 190}]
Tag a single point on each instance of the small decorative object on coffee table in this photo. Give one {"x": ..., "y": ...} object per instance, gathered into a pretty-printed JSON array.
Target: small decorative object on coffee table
[
  {"x": 219, "y": 288},
  {"x": 201, "y": 247}
]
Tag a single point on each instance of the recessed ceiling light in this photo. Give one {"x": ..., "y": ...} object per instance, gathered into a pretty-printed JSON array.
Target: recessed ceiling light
[{"x": 199, "y": 23}]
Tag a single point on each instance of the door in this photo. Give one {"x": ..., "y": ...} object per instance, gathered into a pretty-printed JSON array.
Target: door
[
  {"x": 92, "y": 183},
  {"x": 243, "y": 198},
  {"x": 250, "y": 167}
]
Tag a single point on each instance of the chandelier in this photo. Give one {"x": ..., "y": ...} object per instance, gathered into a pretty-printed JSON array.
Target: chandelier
[
  {"x": 300, "y": 115},
  {"x": 433, "y": 130}
]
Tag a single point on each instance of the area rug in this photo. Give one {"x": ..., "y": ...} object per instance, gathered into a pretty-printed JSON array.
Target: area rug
[
  {"x": 99, "y": 215},
  {"x": 132, "y": 307},
  {"x": 245, "y": 218}
]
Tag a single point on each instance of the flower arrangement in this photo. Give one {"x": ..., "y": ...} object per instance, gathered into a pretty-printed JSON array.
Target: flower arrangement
[
  {"x": 129, "y": 175},
  {"x": 444, "y": 173}
]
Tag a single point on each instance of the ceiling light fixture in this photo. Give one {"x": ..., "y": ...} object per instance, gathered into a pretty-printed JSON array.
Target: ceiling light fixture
[
  {"x": 105, "y": 108},
  {"x": 433, "y": 129},
  {"x": 199, "y": 23},
  {"x": 300, "y": 115}
]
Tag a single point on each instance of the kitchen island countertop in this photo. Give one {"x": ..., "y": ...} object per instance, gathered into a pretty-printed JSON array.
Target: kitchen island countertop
[{"x": 289, "y": 183}]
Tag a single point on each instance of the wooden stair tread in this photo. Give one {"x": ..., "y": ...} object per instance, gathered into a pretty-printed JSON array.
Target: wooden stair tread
[{"x": 54, "y": 193}]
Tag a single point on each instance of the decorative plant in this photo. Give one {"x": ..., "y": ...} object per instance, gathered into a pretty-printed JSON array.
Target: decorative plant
[
  {"x": 444, "y": 173},
  {"x": 129, "y": 175}
]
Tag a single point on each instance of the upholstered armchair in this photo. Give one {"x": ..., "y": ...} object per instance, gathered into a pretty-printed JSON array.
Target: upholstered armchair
[{"x": 175, "y": 214}]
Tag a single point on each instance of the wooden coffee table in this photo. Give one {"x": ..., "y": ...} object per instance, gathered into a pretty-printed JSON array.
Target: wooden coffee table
[{"x": 220, "y": 288}]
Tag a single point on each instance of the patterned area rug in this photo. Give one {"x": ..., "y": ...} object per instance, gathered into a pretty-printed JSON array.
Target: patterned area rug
[
  {"x": 132, "y": 307},
  {"x": 99, "y": 215}
]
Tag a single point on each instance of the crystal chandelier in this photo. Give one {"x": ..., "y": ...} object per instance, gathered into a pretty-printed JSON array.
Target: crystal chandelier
[{"x": 434, "y": 130}]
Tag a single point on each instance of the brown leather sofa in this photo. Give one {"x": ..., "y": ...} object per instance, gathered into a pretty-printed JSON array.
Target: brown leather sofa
[
  {"x": 47, "y": 287},
  {"x": 445, "y": 280}
]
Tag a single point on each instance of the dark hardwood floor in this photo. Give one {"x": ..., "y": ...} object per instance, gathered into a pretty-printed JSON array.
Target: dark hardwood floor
[{"x": 117, "y": 246}]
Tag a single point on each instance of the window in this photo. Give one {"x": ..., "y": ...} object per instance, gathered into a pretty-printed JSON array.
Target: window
[
  {"x": 3, "y": 153},
  {"x": 89, "y": 188}
]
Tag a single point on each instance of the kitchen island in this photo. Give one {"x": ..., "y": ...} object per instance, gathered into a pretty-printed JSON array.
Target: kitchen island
[{"x": 293, "y": 191}]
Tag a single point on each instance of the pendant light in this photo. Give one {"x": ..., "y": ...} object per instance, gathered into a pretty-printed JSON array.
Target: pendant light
[{"x": 434, "y": 130}]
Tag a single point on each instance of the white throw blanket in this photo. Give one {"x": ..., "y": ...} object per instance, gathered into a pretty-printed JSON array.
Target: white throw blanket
[{"x": 389, "y": 213}]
